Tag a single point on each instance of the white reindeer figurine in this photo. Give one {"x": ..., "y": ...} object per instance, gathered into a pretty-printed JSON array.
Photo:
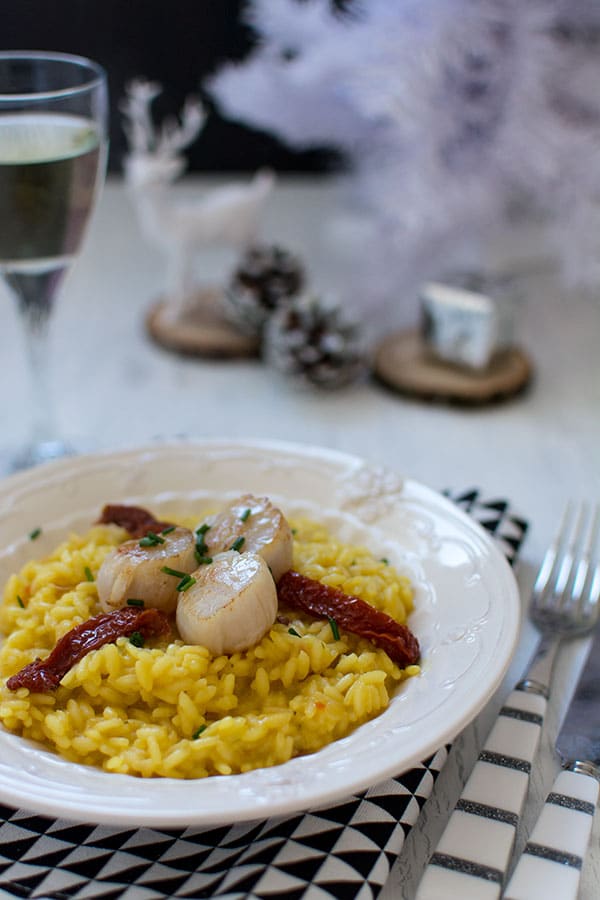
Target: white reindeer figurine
[{"x": 227, "y": 215}]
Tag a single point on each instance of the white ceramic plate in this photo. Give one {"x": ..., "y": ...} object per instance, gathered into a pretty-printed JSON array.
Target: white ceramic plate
[{"x": 466, "y": 618}]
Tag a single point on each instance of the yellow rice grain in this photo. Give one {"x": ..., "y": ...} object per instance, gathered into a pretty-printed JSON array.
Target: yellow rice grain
[{"x": 169, "y": 709}]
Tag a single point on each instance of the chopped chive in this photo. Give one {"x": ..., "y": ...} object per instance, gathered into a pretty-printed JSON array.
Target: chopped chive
[
  {"x": 151, "y": 540},
  {"x": 199, "y": 731},
  {"x": 186, "y": 583},
  {"x": 385, "y": 560},
  {"x": 245, "y": 514},
  {"x": 131, "y": 601},
  {"x": 20, "y": 602},
  {"x": 137, "y": 639},
  {"x": 168, "y": 530},
  {"x": 88, "y": 574},
  {"x": 174, "y": 572},
  {"x": 201, "y": 547},
  {"x": 238, "y": 543},
  {"x": 294, "y": 632},
  {"x": 201, "y": 559},
  {"x": 334, "y": 628},
  {"x": 186, "y": 579},
  {"x": 35, "y": 534},
  {"x": 294, "y": 531}
]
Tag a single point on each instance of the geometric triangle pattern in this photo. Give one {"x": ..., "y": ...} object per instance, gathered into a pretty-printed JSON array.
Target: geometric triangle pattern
[
  {"x": 344, "y": 850},
  {"x": 497, "y": 517}
]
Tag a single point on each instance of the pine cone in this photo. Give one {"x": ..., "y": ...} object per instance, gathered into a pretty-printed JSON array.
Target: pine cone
[
  {"x": 266, "y": 278},
  {"x": 312, "y": 342}
]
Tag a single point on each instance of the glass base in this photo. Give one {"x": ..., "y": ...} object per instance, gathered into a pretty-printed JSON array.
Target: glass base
[{"x": 37, "y": 454}]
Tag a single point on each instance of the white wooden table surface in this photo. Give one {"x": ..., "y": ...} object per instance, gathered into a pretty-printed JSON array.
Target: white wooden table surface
[{"x": 116, "y": 388}]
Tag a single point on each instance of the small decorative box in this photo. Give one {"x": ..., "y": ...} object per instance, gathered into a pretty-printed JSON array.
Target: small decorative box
[{"x": 460, "y": 326}]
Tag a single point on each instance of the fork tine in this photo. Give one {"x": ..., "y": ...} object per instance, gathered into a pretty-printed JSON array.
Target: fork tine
[
  {"x": 544, "y": 593},
  {"x": 592, "y": 569},
  {"x": 594, "y": 592},
  {"x": 583, "y": 564},
  {"x": 573, "y": 541},
  {"x": 549, "y": 561}
]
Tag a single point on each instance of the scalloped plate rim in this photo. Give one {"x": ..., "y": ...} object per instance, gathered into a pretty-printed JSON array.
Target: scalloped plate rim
[{"x": 294, "y": 786}]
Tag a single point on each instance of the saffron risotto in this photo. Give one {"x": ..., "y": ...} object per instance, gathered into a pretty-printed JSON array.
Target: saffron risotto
[{"x": 170, "y": 709}]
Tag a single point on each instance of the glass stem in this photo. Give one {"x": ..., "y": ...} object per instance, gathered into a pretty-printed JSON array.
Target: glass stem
[{"x": 35, "y": 295}]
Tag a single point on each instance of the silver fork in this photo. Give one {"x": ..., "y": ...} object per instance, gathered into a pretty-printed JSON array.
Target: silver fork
[
  {"x": 564, "y": 600},
  {"x": 474, "y": 852}
]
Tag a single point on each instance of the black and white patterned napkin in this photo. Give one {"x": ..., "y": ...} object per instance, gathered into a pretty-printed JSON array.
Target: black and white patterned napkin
[{"x": 342, "y": 851}]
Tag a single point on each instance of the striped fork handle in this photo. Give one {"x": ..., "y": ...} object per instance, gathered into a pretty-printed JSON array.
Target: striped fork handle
[
  {"x": 550, "y": 865},
  {"x": 473, "y": 855}
]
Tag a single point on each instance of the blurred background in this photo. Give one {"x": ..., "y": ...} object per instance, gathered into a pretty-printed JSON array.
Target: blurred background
[
  {"x": 452, "y": 118},
  {"x": 179, "y": 44},
  {"x": 447, "y": 125}
]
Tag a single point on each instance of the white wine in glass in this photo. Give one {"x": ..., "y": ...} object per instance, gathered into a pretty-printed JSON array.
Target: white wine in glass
[{"x": 53, "y": 147}]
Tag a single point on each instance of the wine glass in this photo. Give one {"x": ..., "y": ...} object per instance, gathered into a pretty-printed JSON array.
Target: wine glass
[{"x": 53, "y": 148}]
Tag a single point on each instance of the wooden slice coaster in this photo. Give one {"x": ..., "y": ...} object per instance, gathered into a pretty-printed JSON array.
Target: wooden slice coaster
[
  {"x": 201, "y": 330},
  {"x": 404, "y": 362}
]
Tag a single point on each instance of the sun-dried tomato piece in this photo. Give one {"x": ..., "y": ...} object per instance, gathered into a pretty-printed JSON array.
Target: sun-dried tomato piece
[
  {"x": 355, "y": 615},
  {"x": 44, "y": 675},
  {"x": 134, "y": 519}
]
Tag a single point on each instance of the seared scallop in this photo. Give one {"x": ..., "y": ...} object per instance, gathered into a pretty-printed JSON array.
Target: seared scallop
[
  {"x": 231, "y": 605},
  {"x": 135, "y": 570},
  {"x": 252, "y": 525}
]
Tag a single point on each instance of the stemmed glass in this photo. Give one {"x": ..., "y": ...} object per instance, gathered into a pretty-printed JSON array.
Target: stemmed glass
[{"x": 53, "y": 143}]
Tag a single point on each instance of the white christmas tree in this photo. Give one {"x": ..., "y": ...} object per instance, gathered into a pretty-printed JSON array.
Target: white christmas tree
[{"x": 445, "y": 112}]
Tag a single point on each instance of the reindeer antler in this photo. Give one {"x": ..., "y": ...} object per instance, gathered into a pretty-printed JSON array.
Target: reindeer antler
[
  {"x": 139, "y": 127},
  {"x": 175, "y": 135}
]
